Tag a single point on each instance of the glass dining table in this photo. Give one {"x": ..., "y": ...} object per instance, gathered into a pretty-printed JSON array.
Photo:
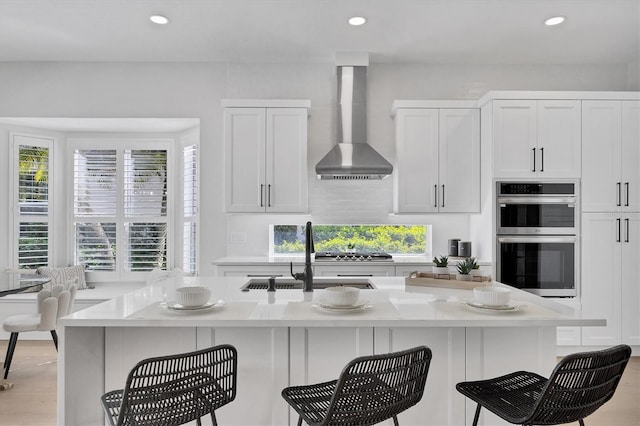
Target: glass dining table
[{"x": 13, "y": 282}]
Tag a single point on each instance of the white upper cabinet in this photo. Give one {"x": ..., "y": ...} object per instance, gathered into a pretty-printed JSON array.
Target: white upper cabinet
[
  {"x": 610, "y": 156},
  {"x": 437, "y": 160},
  {"x": 265, "y": 159},
  {"x": 536, "y": 138}
]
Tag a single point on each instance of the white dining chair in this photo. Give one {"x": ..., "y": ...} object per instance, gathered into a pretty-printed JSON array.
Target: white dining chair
[{"x": 53, "y": 304}]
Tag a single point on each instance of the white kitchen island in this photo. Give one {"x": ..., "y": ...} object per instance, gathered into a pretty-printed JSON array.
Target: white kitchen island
[{"x": 283, "y": 340}]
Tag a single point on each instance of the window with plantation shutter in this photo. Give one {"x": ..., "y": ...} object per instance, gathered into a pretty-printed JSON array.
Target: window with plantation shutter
[
  {"x": 32, "y": 212},
  {"x": 190, "y": 208},
  {"x": 120, "y": 208}
]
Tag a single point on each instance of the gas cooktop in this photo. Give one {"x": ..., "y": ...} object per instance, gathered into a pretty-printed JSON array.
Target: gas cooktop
[{"x": 338, "y": 256}]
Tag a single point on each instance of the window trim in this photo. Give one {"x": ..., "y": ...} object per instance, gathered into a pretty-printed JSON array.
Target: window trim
[
  {"x": 48, "y": 142},
  {"x": 121, "y": 143},
  {"x": 190, "y": 139}
]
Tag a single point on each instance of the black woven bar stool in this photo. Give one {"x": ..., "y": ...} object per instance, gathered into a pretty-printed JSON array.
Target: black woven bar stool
[
  {"x": 370, "y": 389},
  {"x": 577, "y": 387},
  {"x": 175, "y": 389}
]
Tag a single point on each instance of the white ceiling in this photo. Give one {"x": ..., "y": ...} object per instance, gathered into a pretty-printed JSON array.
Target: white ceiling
[{"x": 416, "y": 31}]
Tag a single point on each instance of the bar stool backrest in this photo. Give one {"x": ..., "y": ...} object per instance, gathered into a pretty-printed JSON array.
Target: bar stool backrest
[
  {"x": 374, "y": 388},
  {"x": 580, "y": 384},
  {"x": 177, "y": 389}
]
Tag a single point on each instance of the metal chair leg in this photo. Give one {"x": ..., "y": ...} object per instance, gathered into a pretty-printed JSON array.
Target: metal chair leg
[
  {"x": 395, "y": 421},
  {"x": 13, "y": 340},
  {"x": 54, "y": 336},
  {"x": 299, "y": 420},
  {"x": 581, "y": 421},
  {"x": 477, "y": 416},
  {"x": 214, "y": 421}
]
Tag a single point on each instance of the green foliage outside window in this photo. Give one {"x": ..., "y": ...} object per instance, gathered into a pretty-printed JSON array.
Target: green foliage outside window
[{"x": 398, "y": 239}]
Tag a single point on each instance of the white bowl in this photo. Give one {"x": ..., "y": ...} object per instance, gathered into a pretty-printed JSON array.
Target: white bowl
[
  {"x": 193, "y": 296},
  {"x": 492, "y": 296},
  {"x": 341, "y": 296}
]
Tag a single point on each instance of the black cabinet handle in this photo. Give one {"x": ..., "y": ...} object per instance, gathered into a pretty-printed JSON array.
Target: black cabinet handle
[
  {"x": 618, "y": 239},
  {"x": 269, "y": 195},
  {"x": 435, "y": 195},
  {"x": 626, "y": 222},
  {"x": 534, "y": 160},
  {"x": 619, "y": 202},
  {"x": 542, "y": 158},
  {"x": 261, "y": 195},
  {"x": 626, "y": 185},
  {"x": 442, "y": 195}
]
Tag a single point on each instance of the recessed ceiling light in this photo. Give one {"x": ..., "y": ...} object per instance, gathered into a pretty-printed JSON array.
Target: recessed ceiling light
[
  {"x": 159, "y": 19},
  {"x": 554, "y": 20},
  {"x": 357, "y": 20}
]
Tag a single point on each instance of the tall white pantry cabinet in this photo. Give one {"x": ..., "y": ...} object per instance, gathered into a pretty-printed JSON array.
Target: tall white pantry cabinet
[
  {"x": 265, "y": 156},
  {"x": 611, "y": 220}
]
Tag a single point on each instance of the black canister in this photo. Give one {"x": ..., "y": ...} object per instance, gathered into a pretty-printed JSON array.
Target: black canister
[
  {"x": 464, "y": 249},
  {"x": 453, "y": 247}
]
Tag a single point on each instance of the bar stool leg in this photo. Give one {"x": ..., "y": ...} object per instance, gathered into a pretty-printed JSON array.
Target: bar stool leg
[
  {"x": 395, "y": 421},
  {"x": 13, "y": 340},
  {"x": 54, "y": 336},
  {"x": 477, "y": 416}
]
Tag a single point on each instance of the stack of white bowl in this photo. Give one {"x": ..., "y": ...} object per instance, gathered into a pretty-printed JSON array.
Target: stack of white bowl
[
  {"x": 343, "y": 296},
  {"x": 492, "y": 296},
  {"x": 192, "y": 297}
]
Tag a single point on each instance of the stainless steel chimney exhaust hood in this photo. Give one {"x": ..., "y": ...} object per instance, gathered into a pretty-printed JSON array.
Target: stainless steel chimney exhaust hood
[{"x": 352, "y": 158}]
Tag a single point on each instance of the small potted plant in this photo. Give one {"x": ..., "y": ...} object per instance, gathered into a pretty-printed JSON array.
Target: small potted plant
[
  {"x": 464, "y": 268},
  {"x": 441, "y": 265},
  {"x": 351, "y": 248},
  {"x": 475, "y": 268}
]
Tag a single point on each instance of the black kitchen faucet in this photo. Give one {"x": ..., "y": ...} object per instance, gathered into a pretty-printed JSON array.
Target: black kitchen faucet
[{"x": 307, "y": 275}]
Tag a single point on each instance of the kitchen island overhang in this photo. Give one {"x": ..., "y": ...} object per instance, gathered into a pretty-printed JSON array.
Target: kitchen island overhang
[{"x": 283, "y": 340}]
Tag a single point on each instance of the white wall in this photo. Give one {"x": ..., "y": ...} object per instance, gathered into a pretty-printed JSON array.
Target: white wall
[{"x": 43, "y": 89}]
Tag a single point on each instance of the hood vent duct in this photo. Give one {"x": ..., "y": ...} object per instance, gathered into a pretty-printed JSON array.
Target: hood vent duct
[{"x": 352, "y": 158}]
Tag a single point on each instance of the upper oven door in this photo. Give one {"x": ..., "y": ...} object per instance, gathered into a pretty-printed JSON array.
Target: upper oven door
[{"x": 536, "y": 215}]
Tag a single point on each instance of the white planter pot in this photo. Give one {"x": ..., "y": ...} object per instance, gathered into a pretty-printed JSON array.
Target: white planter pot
[
  {"x": 476, "y": 273},
  {"x": 463, "y": 277},
  {"x": 441, "y": 270}
]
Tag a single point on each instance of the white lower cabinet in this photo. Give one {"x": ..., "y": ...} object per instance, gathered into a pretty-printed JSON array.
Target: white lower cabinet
[
  {"x": 610, "y": 270},
  {"x": 630, "y": 279}
]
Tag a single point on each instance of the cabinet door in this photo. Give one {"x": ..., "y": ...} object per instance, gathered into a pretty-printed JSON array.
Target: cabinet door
[
  {"x": 286, "y": 160},
  {"x": 514, "y": 138},
  {"x": 601, "y": 269},
  {"x": 631, "y": 156},
  {"x": 629, "y": 280},
  {"x": 559, "y": 139},
  {"x": 244, "y": 139},
  {"x": 459, "y": 160},
  {"x": 601, "y": 156},
  {"x": 416, "y": 173}
]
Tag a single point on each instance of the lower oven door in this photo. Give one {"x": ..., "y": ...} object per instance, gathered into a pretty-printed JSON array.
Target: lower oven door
[{"x": 544, "y": 265}]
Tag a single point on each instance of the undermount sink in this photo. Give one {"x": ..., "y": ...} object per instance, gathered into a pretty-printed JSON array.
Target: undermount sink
[{"x": 319, "y": 283}]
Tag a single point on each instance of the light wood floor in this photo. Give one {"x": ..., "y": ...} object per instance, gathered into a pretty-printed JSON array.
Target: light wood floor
[{"x": 32, "y": 400}]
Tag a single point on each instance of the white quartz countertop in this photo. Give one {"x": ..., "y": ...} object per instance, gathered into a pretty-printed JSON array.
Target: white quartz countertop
[
  {"x": 392, "y": 305},
  {"x": 278, "y": 260}
]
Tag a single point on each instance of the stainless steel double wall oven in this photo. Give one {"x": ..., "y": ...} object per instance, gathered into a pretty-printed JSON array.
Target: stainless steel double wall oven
[{"x": 537, "y": 230}]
